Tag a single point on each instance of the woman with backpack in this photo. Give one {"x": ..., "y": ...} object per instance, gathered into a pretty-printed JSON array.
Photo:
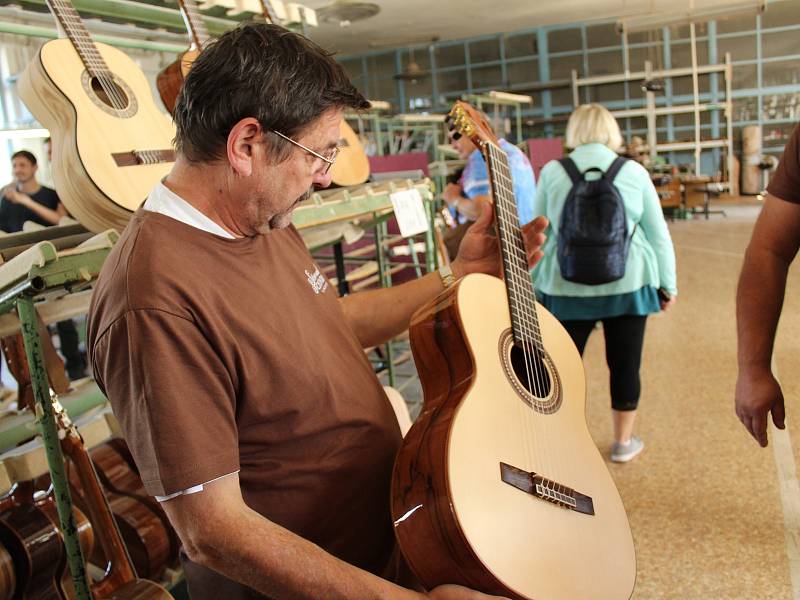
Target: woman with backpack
[{"x": 608, "y": 256}]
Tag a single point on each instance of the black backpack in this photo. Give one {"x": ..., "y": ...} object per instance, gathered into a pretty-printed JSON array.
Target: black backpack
[{"x": 593, "y": 234}]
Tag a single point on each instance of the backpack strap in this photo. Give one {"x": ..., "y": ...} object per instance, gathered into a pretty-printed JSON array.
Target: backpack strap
[
  {"x": 613, "y": 170},
  {"x": 571, "y": 168}
]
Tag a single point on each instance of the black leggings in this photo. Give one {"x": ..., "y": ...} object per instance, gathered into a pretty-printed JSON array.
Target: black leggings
[{"x": 624, "y": 339}]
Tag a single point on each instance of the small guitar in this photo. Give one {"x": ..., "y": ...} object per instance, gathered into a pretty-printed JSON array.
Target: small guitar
[
  {"x": 8, "y": 579},
  {"x": 34, "y": 543},
  {"x": 170, "y": 80},
  {"x": 352, "y": 165},
  {"x": 120, "y": 581},
  {"x": 498, "y": 485},
  {"x": 111, "y": 144}
]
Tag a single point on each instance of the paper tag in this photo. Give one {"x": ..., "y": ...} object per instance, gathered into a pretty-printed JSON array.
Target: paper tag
[{"x": 410, "y": 212}]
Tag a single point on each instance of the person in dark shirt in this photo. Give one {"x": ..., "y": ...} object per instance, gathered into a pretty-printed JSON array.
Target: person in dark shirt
[{"x": 25, "y": 199}]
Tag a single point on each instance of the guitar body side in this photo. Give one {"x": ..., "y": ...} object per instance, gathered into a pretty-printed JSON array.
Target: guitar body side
[
  {"x": 455, "y": 519},
  {"x": 352, "y": 165},
  {"x": 170, "y": 80},
  {"x": 93, "y": 188}
]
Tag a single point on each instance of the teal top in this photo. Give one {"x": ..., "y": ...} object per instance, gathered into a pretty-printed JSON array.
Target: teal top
[
  {"x": 651, "y": 257},
  {"x": 643, "y": 301}
]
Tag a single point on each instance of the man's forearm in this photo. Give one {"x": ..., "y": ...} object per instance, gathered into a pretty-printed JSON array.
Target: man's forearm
[
  {"x": 275, "y": 562},
  {"x": 48, "y": 214},
  {"x": 378, "y": 315},
  {"x": 759, "y": 299}
]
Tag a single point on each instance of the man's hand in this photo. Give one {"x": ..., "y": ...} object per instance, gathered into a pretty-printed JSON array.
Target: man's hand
[
  {"x": 451, "y": 193},
  {"x": 456, "y": 592},
  {"x": 757, "y": 394},
  {"x": 479, "y": 251},
  {"x": 14, "y": 196}
]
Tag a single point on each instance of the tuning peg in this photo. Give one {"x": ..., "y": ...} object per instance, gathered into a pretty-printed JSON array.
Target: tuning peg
[{"x": 456, "y": 135}]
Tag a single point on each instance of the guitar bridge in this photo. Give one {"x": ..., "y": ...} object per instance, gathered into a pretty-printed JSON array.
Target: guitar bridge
[
  {"x": 143, "y": 157},
  {"x": 546, "y": 489}
]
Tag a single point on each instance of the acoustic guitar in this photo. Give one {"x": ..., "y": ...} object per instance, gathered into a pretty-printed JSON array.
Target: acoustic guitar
[
  {"x": 498, "y": 485},
  {"x": 352, "y": 165},
  {"x": 8, "y": 579},
  {"x": 34, "y": 543},
  {"x": 111, "y": 144},
  {"x": 120, "y": 581},
  {"x": 170, "y": 80}
]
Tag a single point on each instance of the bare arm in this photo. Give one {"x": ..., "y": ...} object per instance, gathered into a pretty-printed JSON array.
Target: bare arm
[
  {"x": 379, "y": 315},
  {"x": 48, "y": 214},
  {"x": 469, "y": 207},
  {"x": 759, "y": 301},
  {"x": 219, "y": 531}
]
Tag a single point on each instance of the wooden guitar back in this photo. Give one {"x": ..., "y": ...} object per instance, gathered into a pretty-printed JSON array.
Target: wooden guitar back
[
  {"x": 170, "y": 80},
  {"x": 351, "y": 166}
]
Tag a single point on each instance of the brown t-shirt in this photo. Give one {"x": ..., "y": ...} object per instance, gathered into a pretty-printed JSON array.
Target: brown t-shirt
[
  {"x": 785, "y": 183},
  {"x": 220, "y": 354}
]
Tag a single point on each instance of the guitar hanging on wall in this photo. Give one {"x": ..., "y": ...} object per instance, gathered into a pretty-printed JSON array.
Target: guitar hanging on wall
[
  {"x": 111, "y": 144},
  {"x": 498, "y": 485},
  {"x": 170, "y": 79},
  {"x": 352, "y": 165}
]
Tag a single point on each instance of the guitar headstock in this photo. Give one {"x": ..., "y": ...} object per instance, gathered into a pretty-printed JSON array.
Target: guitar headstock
[{"x": 464, "y": 119}]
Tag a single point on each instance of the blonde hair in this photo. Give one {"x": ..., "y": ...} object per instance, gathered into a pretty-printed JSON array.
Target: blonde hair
[{"x": 592, "y": 123}]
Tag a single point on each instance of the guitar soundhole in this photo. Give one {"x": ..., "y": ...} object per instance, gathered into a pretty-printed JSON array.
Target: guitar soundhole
[
  {"x": 110, "y": 93},
  {"x": 531, "y": 371}
]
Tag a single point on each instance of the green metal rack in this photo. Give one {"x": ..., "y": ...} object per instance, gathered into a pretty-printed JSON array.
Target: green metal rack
[{"x": 70, "y": 271}]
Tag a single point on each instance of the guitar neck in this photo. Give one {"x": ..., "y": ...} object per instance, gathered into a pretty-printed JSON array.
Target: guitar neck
[
  {"x": 121, "y": 571},
  {"x": 76, "y": 31},
  {"x": 269, "y": 12},
  {"x": 521, "y": 296},
  {"x": 194, "y": 22}
]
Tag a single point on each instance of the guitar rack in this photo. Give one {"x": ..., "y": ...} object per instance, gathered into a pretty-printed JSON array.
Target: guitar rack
[
  {"x": 43, "y": 273},
  {"x": 46, "y": 277},
  {"x": 332, "y": 217}
]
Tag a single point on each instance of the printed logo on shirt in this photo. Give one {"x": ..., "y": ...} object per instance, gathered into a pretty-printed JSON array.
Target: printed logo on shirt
[{"x": 317, "y": 281}]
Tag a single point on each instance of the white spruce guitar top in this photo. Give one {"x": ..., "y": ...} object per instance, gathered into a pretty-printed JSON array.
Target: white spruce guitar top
[{"x": 111, "y": 143}]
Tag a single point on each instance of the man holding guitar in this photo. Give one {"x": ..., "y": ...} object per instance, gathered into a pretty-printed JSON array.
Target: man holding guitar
[{"x": 238, "y": 377}]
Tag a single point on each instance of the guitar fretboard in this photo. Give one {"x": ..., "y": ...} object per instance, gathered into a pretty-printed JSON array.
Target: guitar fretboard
[
  {"x": 194, "y": 22},
  {"x": 76, "y": 31},
  {"x": 269, "y": 12},
  {"x": 521, "y": 297}
]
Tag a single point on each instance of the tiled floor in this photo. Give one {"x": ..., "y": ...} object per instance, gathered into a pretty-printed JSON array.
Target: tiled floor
[{"x": 703, "y": 499}]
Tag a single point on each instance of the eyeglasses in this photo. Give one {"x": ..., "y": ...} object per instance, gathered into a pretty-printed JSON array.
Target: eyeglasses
[{"x": 328, "y": 160}]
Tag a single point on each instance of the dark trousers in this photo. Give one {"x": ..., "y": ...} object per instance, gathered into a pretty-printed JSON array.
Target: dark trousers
[
  {"x": 624, "y": 340},
  {"x": 73, "y": 357}
]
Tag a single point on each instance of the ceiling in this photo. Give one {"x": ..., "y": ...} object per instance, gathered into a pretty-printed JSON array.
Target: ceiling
[{"x": 409, "y": 22}]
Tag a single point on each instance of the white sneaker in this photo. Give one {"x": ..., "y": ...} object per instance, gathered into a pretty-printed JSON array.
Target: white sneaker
[{"x": 624, "y": 452}]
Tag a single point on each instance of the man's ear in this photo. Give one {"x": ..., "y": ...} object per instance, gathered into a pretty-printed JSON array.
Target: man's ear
[{"x": 242, "y": 140}]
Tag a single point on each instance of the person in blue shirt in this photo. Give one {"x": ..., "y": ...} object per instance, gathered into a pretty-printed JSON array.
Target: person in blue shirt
[
  {"x": 648, "y": 285},
  {"x": 465, "y": 197}
]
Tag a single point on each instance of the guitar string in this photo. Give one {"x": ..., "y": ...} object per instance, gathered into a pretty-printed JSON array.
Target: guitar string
[
  {"x": 530, "y": 447},
  {"x": 529, "y": 310},
  {"x": 510, "y": 232},
  {"x": 90, "y": 55},
  {"x": 86, "y": 49},
  {"x": 527, "y": 304},
  {"x": 199, "y": 30}
]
